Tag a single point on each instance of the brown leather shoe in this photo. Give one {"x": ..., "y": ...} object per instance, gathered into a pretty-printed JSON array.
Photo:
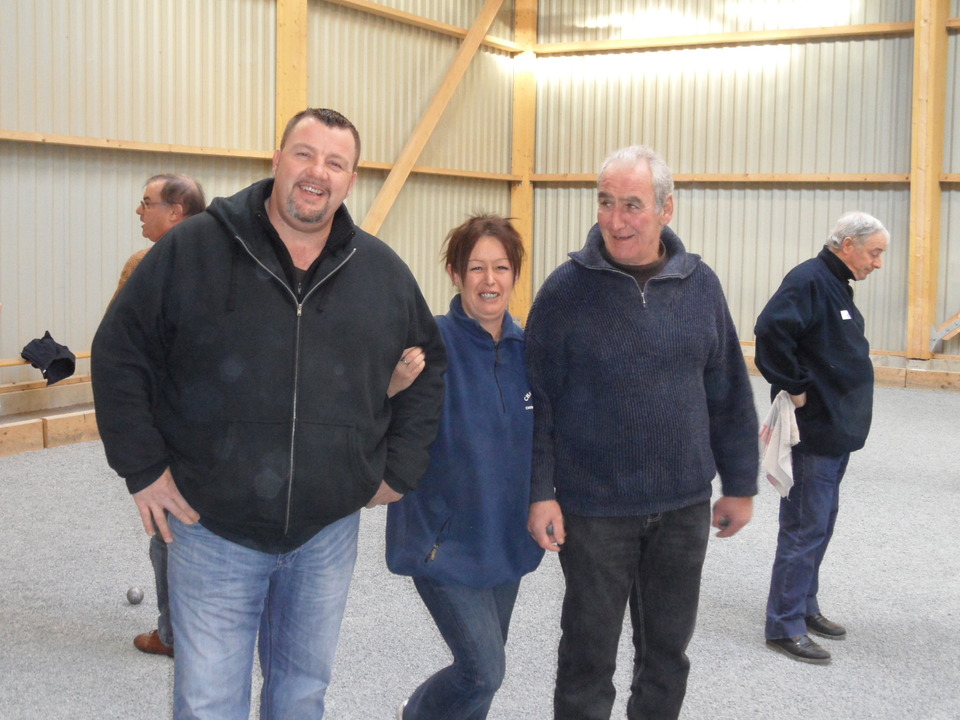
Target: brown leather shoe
[{"x": 151, "y": 643}]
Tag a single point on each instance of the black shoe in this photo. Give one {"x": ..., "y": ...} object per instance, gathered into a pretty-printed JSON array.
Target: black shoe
[
  {"x": 801, "y": 648},
  {"x": 819, "y": 625}
]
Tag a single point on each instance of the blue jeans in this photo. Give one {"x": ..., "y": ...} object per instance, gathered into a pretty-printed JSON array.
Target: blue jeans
[
  {"x": 222, "y": 594},
  {"x": 655, "y": 562},
  {"x": 158, "y": 558},
  {"x": 807, "y": 517},
  {"x": 474, "y": 624}
]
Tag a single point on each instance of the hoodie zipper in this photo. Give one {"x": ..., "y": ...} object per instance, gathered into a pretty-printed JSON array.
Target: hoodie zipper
[{"x": 296, "y": 364}]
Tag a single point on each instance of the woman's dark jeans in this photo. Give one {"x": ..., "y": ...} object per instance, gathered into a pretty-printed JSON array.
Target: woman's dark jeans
[{"x": 474, "y": 624}]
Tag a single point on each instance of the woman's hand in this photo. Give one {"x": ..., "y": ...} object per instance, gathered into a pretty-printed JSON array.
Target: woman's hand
[{"x": 411, "y": 363}]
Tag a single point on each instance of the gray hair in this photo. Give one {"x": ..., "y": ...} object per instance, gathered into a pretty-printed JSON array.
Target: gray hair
[
  {"x": 659, "y": 170},
  {"x": 857, "y": 226}
]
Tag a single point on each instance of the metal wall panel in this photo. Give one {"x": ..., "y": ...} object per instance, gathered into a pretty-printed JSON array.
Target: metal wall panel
[
  {"x": 813, "y": 107},
  {"x": 427, "y": 209},
  {"x": 386, "y": 75},
  {"x": 68, "y": 224},
  {"x": 751, "y": 237},
  {"x": 948, "y": 275},
  {"x": 461, "y": 13},
  {"x": 564, "y": 21},
  {"x": 948, "y": 303},
  {"x": 841, "y": 107},
  {"x": 179, "y": 72}
]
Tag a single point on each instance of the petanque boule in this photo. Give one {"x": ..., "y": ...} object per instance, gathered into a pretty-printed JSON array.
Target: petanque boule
[{"x": 134, "y": 595}]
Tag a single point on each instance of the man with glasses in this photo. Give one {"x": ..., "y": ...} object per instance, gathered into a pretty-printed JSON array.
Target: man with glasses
[{"x": 167, "y": 200}]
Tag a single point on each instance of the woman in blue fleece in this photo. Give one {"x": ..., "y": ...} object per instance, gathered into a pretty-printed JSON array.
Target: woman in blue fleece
[{"x": 462, "y": 534}]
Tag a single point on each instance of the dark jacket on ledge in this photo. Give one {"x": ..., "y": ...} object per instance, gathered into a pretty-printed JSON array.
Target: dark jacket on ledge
[{"x": 268, "y": 405}]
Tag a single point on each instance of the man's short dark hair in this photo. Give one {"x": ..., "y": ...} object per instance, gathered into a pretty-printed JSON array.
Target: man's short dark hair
[{"x": 330, "y": 118}]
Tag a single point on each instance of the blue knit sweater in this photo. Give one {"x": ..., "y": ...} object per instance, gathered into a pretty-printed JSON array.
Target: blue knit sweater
[
  {"x": 641, "y": 394},
  {"x": 466, "y": 523}
]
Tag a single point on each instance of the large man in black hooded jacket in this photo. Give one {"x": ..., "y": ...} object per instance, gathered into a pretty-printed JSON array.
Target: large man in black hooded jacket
[{"x": 240, "y": 380}]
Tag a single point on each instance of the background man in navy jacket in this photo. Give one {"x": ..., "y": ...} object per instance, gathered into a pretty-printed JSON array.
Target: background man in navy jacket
[{"x": 810, "y": 342}]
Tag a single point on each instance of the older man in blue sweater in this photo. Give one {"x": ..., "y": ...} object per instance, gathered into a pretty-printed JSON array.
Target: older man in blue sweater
[
  {"x": 810, "y": 342},
  {"x": 641, "y": 397}
]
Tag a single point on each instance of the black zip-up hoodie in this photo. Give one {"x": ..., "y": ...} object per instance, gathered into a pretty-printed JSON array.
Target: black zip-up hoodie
[{"x": 268, "y": 406}]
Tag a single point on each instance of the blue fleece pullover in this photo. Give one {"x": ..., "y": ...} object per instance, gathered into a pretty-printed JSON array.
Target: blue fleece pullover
[
  {"x": 466, "y": 523},
  {"x": 641, "y": 394},
  {"x": 810, "y": 339}
]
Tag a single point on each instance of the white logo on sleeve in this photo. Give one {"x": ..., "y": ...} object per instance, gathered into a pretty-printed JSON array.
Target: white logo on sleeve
[{"x": 845, "y": 314}]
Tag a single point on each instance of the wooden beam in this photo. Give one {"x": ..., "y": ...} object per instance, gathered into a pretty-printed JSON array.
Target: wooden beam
[
  {"x": 371, "y": 8},
  {"x": 391, "y": 187},
  {"x": 16, "y": 362},
  {"x": 446, "y": 172},
  {"x": 291, "y": 70},
  {"x": 69, "y": 428},
  {"x": 926, "y": 166},
  {"x": 19, "y": 387},
  {"x": 753, "y": 37},
  {"x": 747, "y": 178},
  {"x": 23, "y": 436},
  {"x": 523, "y": 150},
  {"x": 129, "y": 145}
]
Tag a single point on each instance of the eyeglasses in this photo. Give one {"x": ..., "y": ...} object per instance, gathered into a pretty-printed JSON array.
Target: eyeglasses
[{"x": 144, "y": 204}]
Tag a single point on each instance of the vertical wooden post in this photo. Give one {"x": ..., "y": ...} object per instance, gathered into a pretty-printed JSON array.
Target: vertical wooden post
[
  {"x": 524, "y": 148},
  {"x": 927, "y": 147},
  {"x": 291, "y": 69}
]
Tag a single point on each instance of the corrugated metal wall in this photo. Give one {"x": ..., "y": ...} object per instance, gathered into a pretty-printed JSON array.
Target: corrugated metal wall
[
  {"x": 178, "y": 71},
  {"x": 751, "y": 237},
  {"x": 565, "y": 21},
  {"x": 814, "y": 107},
  {"x": 804, "y": 108},
  {"x": 948, "y": 284},
  {"x": 426, "y": 210},
  {"x": 202, "y": 73},
  {"x": 400, "y": 69},
  {"x": 68, "y": 224},
  {"x": 460, "y": 13}
]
